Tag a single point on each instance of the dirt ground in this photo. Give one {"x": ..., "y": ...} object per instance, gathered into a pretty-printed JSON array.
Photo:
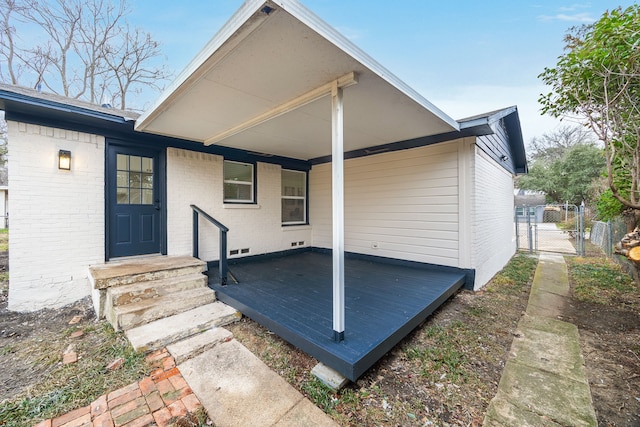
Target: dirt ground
[
  {"x": 414, "y": 384},
  {"x": 480, "y": 326},
  {"x": 610, "y": 342},
  {"x": 20, "y": 334}
]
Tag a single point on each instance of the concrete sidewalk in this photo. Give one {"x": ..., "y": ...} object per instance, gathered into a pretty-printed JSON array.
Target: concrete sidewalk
[
  {"x": 238, "y": 389},
  {"x": 544, "y": 381}
]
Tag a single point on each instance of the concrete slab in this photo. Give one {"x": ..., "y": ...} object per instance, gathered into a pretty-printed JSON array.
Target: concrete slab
[
  {"x": 161, "y": 332},
  {"x": 553, "y": 276},
  {"x": 550, "y": 287},
  {"x": 198, "y": 344},
  {"x": 544, "y": 382},
  {"x": 124, "y": 317},
  {"x": 304, "y": 414},
  {"x": 128, "y": 294},
  {"x": 545, "y": 304},
  {"x": 329, "y": 377},
  {"x": 558, "y": 353},
  {"x": 502, "y": 413},
  {"x": 237, "y": 389},
  {"x": 146, "y": 268},
  {"x": 560, "y": 399}
]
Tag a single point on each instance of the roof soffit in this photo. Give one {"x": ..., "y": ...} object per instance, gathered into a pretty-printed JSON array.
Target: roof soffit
[{"x": 270, "y": 59}]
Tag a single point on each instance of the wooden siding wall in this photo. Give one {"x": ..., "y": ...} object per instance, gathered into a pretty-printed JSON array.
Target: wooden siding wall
[
  {"x": 496, "y": 146},
  {"x": 493, "y": 236},
  {"x": 402, "y": 204}
]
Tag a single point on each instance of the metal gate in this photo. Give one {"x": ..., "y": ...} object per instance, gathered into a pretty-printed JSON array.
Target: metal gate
[{"x": 550, "y": 228}]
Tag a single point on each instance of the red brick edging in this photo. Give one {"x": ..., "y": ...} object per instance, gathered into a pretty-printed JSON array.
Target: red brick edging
[{"x": 155, "y": 400}]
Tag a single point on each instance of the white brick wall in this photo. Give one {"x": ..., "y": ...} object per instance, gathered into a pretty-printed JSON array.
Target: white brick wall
[
  {"x": 57, "y": 217},
  {"x": 493, "y": 237},
  {"x": 404, "y": 202},
  {"x": 196, "y": 178}
]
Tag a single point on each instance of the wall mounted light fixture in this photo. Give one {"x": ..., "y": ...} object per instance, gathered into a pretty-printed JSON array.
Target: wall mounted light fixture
[{"x": 64, "y": 160}]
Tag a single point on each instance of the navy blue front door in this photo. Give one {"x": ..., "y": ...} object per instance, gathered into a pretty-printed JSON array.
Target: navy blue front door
[{"x": 135, "y": 212}]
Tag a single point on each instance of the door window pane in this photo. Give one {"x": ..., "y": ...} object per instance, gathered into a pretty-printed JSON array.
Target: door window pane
[
  {"x": 134, "y": 180},
  {"x": 147, "y": 180},
  {"x": 147, "y": 165},
  {"x": 123, "y": 179},
  {"x": 147, "y": 197},
  {"x": 123, "y": 196},
  {"x": 122, "y": 162},
  {"x": 135, "y": 163},
  {"x": 135, "y": 196}
]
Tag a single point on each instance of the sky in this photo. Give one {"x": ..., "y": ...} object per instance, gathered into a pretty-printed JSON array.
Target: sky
[{"x": 466, "y": 57}]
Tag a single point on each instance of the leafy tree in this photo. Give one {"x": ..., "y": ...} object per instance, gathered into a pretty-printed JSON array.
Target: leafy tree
[
  {"x": 554, "y": 145},
  {"x": 566, "y": 178},
  {"x": 85, "y": 50},
  {"x": 597, "y": 82}
]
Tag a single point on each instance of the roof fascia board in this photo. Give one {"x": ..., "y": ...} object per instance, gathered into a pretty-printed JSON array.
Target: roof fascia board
[
  {"x": 408, "y": 144},
  {"x": 124, "y": 132},
  {"x": 8, "y": 97},
  {"x": 311, "y": 20}
]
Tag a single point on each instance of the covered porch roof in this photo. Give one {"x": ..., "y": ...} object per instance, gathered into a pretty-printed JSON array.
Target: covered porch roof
[{"x": 263, "y": 84}]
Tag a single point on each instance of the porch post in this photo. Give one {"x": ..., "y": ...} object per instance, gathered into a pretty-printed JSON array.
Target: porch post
[{"x": 337, "y": 168}]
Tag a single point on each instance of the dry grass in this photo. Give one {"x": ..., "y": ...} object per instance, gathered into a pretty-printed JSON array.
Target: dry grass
[
  {"x": 444, "y": 373},
  {"x": 62, "y": 388}
]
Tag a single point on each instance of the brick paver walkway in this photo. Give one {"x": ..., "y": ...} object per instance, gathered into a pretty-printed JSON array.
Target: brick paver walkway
[{"x": 154, "y": 401}]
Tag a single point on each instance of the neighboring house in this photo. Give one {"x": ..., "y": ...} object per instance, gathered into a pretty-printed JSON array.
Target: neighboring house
[
  {"x": 533, "y": 201},
  {"x": 247, "y": 133}
]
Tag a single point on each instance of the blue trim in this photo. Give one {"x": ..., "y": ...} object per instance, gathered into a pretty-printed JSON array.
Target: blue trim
[
  {"x": 30, "y": 109},
  {"x": 405, "y": 145},
  {"x": 470, "y": 273},
  {"x": 479, "y": 126},
  {"x": 26, "y": 109},
  {"x": 20, "y": 102},
  {"x": 160, "y": 176}
]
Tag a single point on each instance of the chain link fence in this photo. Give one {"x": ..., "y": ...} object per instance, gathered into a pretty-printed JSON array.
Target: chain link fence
[
  {"x": 606, "y": 234},
  {"x": 550, "y": 228}
]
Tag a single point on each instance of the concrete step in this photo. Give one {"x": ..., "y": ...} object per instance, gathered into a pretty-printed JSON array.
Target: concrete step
[
  {"x": 142, "y": 269},
  {"x": 129, "y": 316},
  {"x": 199, "y": 343},
  {"x": 127, "y": 294},
  {"x": 162, "y": 332},
  {"x": 238, "y": 389}
]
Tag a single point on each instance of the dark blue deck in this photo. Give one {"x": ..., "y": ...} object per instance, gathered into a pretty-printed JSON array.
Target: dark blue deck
[{"x": 291, "y": 295}]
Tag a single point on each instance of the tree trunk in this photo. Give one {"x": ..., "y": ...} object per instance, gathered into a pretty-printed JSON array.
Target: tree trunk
[
  {"x": 634, "y": 255},
  {"x": 631, "y": 218}
]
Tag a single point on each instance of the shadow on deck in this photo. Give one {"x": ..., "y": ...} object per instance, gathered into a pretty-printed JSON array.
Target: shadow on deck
[{"x": 291, "y": 295}]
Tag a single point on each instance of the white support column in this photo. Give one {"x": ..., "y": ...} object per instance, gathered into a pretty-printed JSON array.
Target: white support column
[{"x": 337, "y": 167}]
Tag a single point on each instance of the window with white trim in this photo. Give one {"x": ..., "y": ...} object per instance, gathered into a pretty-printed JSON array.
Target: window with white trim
[
  {"x": 294, "y": 197},
  {"x": 239, "y": 182}
]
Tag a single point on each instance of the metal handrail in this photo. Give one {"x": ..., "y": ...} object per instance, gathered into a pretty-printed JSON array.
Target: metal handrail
[{"x": 222, "y": 264}]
